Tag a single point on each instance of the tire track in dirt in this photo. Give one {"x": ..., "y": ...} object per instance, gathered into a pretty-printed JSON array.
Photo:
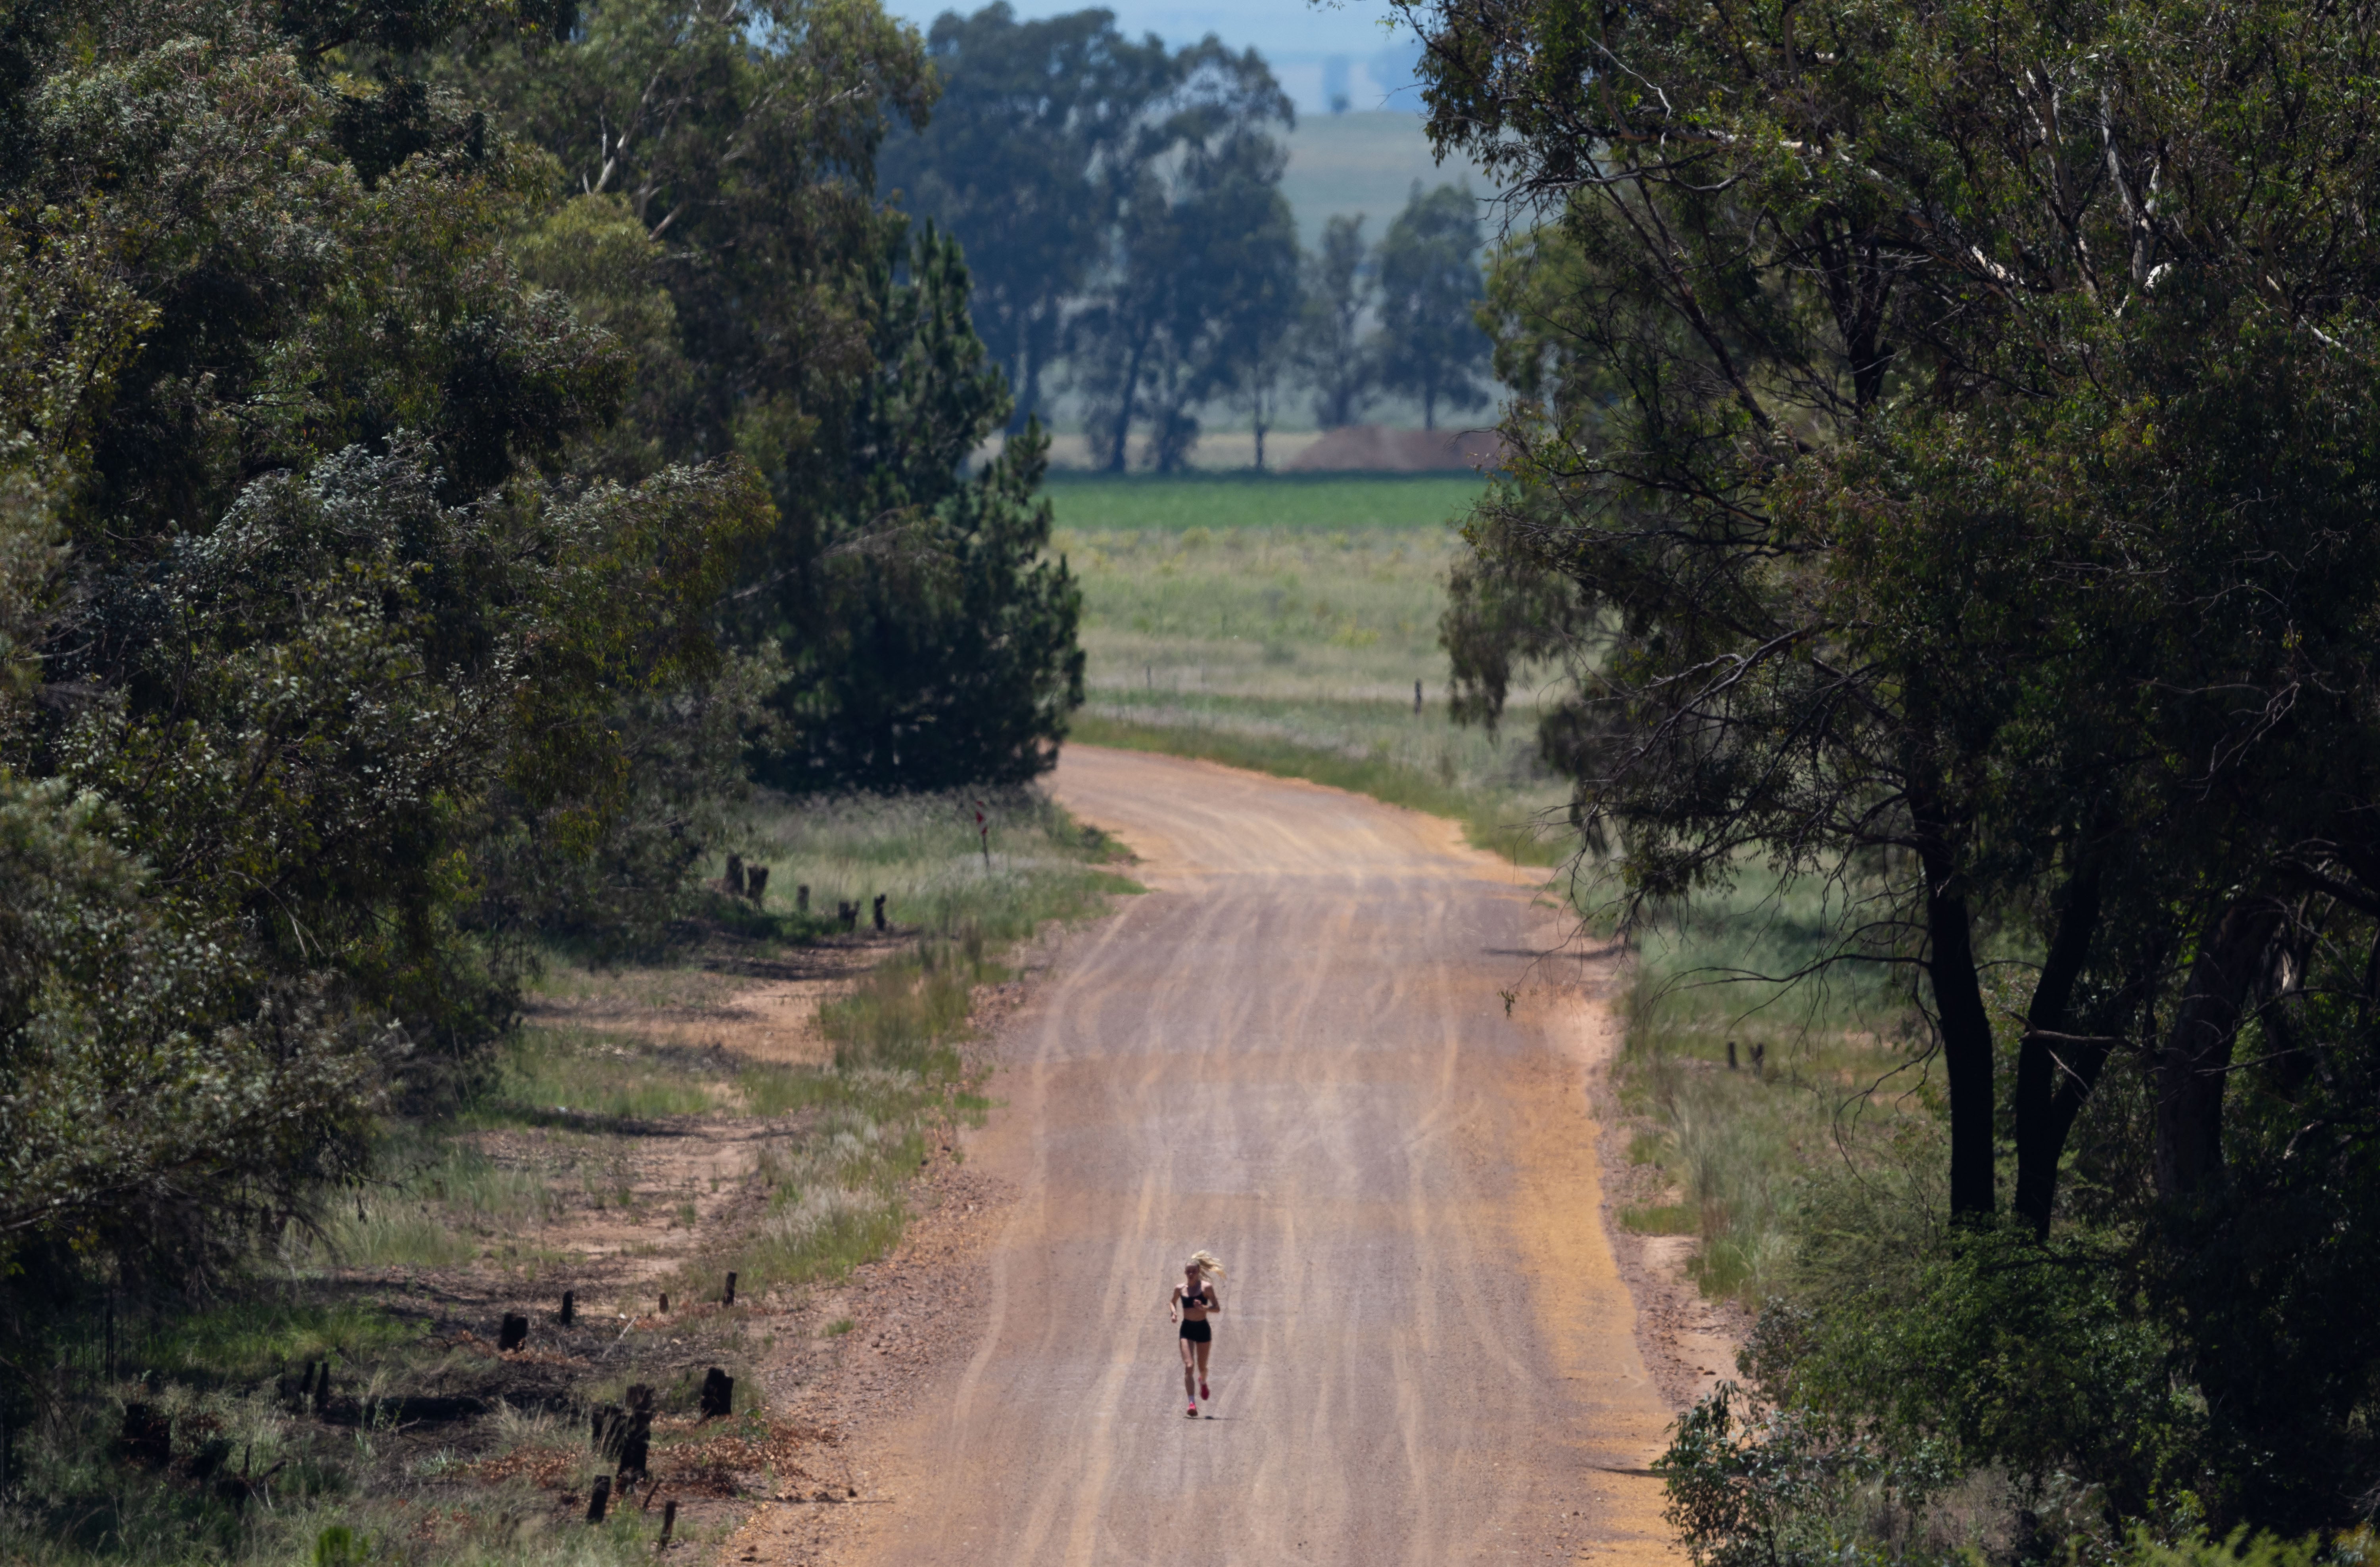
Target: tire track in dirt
[{"x": 1295, "y": 1048}]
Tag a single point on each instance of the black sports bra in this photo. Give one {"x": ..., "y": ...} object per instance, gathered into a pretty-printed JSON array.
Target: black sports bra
[{"x": 1196, "y": 1298}]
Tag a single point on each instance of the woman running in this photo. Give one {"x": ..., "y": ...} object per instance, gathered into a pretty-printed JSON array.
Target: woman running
[{"x": 1194, "y": 1299}]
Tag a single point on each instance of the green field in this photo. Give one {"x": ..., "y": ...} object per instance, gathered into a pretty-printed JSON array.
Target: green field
[
  {"x": 1283, "y": 624},
  {"x": 1088, "y": 504}
]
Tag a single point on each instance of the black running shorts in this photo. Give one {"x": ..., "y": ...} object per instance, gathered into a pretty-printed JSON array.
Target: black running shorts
[{"x": 1198, "y": 1333}]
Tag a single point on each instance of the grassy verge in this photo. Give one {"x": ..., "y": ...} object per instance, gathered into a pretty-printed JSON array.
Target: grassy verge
[
  {"x": 346, "y": 1403},
  {"x": 940, "y": 876},
  {"x": 1747, "y": 1092}
]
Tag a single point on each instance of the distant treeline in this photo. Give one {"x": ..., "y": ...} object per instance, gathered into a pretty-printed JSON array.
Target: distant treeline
[
  {"x": 1118, "y": 203},
  {"x": 445, "y": 449}
]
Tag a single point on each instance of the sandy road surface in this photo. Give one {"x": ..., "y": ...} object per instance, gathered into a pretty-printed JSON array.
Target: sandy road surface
[{"x": 1293, "y": 1050}]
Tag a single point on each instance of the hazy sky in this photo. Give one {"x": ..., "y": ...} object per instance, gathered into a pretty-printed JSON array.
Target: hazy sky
[{"x": 1319, "y": 51}]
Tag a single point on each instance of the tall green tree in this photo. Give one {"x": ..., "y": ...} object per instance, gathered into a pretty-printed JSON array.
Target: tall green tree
[
  {"x": 311, "y": 647},
  {"x": 1205, "y": 246},
  {"x": 1332, "y": 343},
  {"x": 1945, "y": 477},
  {"x": 1024, "y": 163},
  {"x": 932, "y": 643},
  {"x": 1252, "y": 267},
  {"x": 726, "y": 156},
  {"x": 742, "y": 139},
  {"x": 1428, "y": 345}
]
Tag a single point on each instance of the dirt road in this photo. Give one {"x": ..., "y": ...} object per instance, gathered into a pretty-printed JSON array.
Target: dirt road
[{"x": 1294, "y": 1051}]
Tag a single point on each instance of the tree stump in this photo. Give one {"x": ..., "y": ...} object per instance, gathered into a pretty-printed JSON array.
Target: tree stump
[
  {"x": 634, "y": 1449},
  {"x": 755, "y": 883},
  {"x": 512, "y": 1334},
  {"x": 147, "y": 1437},
  {"x": 802, "y": 898},
  {"x": 1759, "y": 1059},
  {"x": 727, "y": 1295},
  {"x": 734, "y": 880},
  {"x": 718, "y": 1394},
  {"x": 569, "y": 1308},
  {"x": 1730, "y": 1055},
  {"x": 669, "y": 1524},
  {"x": 880, "y": 911},
  {"x": 599, "y": 1498}
]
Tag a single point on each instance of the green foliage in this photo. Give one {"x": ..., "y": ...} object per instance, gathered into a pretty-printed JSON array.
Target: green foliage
[
  {"x": 1751, "y": 1486},
  {"x": 1220, "y": 503},
  {"x": 2244, "y": 1548},
  {"x": 1998, "y": 1351},
  {"x": 1337, "y": 356},
  {"x": 153, "y": 1085},
  {"x": 1018, "y": 166},
  {"x": 720, "y": 220},
  {"x": 928, "y": 643},
  {"x": 1078, "y": 165},
  {"x": 1204, "y": 258},
  {"x": 1945, "y": 453},
  {"x": 322, "y": 681},
  {"x": 1430, "y": 285},
  {"x": 742, "y": 140}
]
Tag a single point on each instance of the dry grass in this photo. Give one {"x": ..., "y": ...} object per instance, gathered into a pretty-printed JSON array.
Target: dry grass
[
  {"x": 1827, "y": 1074},
  {"x": 600, "y": 1150}
]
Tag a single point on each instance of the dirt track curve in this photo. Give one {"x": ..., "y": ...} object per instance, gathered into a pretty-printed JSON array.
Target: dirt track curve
[{"x": 1294, "y": 1051}]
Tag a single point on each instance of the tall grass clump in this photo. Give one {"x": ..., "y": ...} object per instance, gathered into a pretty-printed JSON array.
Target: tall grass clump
[
  {"x": 1822, "y": 1075},
  {"x": 898, "y": 1083}
]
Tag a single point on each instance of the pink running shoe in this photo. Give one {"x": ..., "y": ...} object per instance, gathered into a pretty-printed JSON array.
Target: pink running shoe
[
  {"x": 1192, "y": 1412},
  {"x": 1202, "y": 1392}
]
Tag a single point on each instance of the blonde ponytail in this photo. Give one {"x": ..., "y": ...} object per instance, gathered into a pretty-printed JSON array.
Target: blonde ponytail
[{"x": 1205, "y": 1262}]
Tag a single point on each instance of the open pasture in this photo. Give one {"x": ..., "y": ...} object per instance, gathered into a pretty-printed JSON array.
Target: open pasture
[
  {"x": 1283, "y": 624},
  {"x": 1300, "y": 501}
]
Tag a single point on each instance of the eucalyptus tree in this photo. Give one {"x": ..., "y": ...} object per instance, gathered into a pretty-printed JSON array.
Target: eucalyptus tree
[
  {"x": 312, "y": 652},
  {"x": 1203, "y": 249},
  {"x": 722, "y": 160},
  {"x": 1428, "y": 347},
  {"x": 1947, "y": 470},
  {"x": 1024, "y": 163},
  {"x": 1333, "y": 344},
  {"x": 1907, "y": 469}
]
